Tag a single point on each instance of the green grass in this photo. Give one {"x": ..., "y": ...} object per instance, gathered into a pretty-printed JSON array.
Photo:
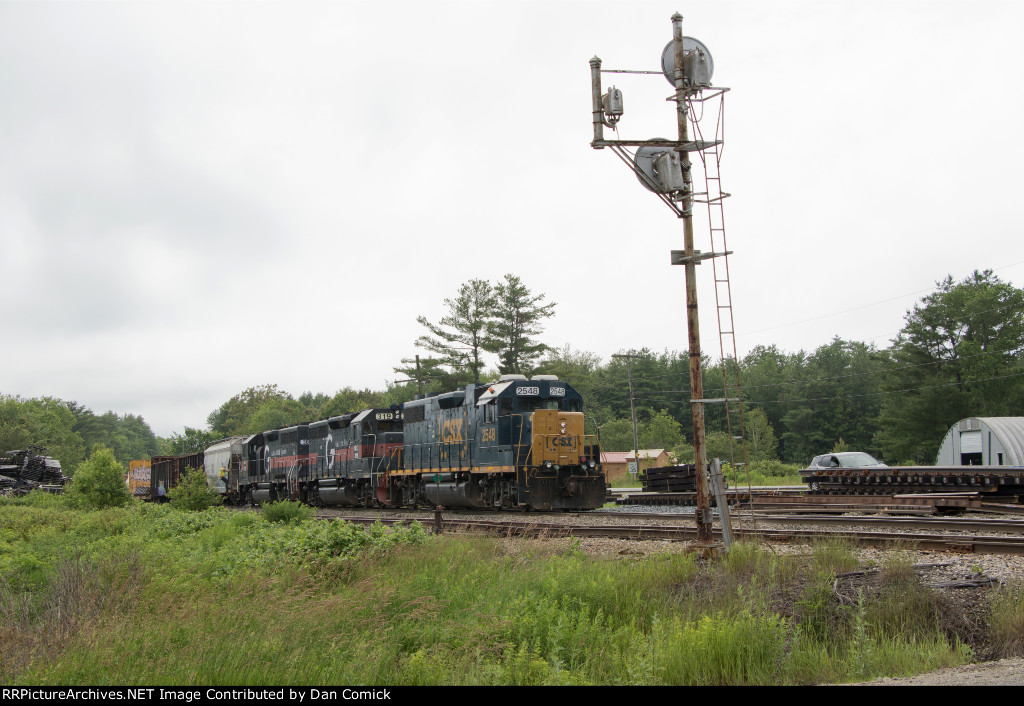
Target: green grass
[
  {"x": 151, "y": 594},
  {"x": 760, "y": 473},
  {"x": 1006, "y": 611}
]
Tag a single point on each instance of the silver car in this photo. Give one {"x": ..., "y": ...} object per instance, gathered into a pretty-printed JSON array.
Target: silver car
[{"x": 846, "y": 459}]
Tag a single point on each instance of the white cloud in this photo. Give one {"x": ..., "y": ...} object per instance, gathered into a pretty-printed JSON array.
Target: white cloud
[{"x": 197, "y": 198}]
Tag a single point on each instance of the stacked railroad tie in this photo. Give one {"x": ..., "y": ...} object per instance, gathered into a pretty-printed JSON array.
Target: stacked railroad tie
[{"x": 670, "y": 479}]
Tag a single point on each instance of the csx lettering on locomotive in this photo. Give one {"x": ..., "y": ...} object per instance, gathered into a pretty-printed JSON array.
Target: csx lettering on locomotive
[
  {"x": 451, "y": 431},
  {"x": 556, "y": 443}
]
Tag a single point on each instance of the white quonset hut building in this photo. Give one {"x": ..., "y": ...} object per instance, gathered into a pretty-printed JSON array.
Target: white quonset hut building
[{"x": 983, "y": 441}]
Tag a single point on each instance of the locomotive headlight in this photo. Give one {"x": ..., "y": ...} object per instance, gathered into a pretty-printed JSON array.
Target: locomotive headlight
[
  {"x": 547, "y": 464},
  {"x": 592, "y": 464}
]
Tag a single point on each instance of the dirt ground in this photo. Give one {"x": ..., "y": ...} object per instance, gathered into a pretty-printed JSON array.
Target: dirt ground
[{"x": 1004, "y": 672}]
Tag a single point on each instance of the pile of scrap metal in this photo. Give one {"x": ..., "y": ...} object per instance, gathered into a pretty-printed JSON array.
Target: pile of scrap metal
[{"x": 30, "y": 469}]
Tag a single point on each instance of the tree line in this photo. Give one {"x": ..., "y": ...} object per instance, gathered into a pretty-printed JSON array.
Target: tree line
[
  {"x": 957, "y": 355},
  {"x": 72, "y": 432}
]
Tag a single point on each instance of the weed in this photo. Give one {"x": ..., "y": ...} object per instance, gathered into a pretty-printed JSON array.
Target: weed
[
  {"x": 153, "y": 594},
  {"x": 1006, "y": 619},
  {"x": 822, "y": 617},
  {"x": 834, "y": 554},
  {"x": 287, "y": 511},
  {"x": 194, "y": 493}
]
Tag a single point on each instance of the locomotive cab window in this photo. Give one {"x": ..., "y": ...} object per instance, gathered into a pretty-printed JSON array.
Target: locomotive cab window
[
  {"x": 529, "y": 404},
  {"x": 571, "y": 406},
  {"x": 385, "y": 425},
  {"x": 507, "y": 407},
  {"x": 490, "y": 413}
]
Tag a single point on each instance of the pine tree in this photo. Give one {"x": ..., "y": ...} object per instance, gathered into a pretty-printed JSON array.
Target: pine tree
[
  {"x": 516, "y": 319},
  {"x": 458, "y": 338}
]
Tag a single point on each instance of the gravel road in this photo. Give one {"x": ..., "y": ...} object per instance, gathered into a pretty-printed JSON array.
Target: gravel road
[{"x": 1005, "y": 672}]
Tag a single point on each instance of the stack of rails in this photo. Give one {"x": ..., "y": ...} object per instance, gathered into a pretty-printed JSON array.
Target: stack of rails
[
  {"x": 995, "y": 480},
  {"x": 29, "y": 469}
]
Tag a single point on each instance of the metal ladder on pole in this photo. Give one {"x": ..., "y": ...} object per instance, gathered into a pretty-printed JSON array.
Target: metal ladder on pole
[{"x": 714, "y": 197}]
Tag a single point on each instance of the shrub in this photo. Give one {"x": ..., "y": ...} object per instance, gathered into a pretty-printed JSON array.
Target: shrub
[
  {"x": 41, "y": 499},
  {"x": 287, "y": 511},
  {"x": 100, "y": 482},
  {"x": 193, "y": 493}
]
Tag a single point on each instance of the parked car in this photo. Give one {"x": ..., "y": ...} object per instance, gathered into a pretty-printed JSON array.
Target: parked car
[{"x": 846, "y": 459}]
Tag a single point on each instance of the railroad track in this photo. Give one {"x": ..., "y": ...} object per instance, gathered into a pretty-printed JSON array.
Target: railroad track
[
  {"x": 791, "y": 499},
  {"x": 988, "y": 524},
  {"x": 965, "y": 543}
]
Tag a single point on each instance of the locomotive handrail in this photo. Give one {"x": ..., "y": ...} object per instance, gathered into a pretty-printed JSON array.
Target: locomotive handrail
[
  {"x": 373, "y": 446},
  {"x": 519, "y": 445},
  {"x": 389, "y": 454}
]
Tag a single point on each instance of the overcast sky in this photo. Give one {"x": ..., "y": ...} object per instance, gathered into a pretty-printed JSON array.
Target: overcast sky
[{"x": 196, "y": 198}]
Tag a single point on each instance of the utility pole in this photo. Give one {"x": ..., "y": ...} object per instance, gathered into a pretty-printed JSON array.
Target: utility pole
[
  {"x": 663, "y": 167},
  {"x": 419, "y": 377},
  {"x": 419, "y": 380},
  {"x": 692, "y": 320},
  {"x": 632, "y": 405}
]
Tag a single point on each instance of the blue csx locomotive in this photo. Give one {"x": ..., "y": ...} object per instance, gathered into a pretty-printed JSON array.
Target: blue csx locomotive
[{"x": 515, "y": 443}]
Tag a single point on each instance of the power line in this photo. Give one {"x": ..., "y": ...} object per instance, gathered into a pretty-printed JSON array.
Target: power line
[
  {"x": 869, "y": 394},
  {"x": 863, "y": 306},
  {"x": 799, "y": 381}
]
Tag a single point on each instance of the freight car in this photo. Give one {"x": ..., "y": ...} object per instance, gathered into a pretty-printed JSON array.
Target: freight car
[
  {"x": 165, "y": 472},
  {"x": 1002, "y": 481},
  {"x": 511, "y": 444},
  {"x": 222, "y": 463}
]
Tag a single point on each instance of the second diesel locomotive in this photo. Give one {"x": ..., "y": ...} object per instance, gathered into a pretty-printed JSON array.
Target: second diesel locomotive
[{"x": 516, "y": 443}]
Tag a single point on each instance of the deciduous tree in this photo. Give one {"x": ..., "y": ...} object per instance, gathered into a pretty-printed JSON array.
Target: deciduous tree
[
  {"x": 100, "y": 482},
  {"x": 958, "y": 355},
  {"x": 761, "y": 442},
  {"x": 256, "y": 409},
  {"x": 190, "y": 441}
]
